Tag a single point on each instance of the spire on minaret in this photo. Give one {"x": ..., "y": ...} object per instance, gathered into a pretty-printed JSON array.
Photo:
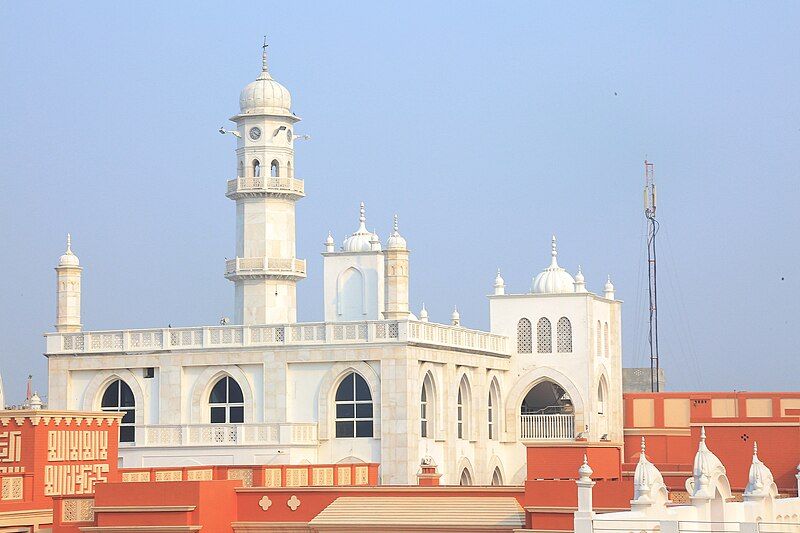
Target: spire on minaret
[
  {"x": 264, "y": 55},
  {"x": 553, "y": 252},
  {"x": 69, "y": 243}
]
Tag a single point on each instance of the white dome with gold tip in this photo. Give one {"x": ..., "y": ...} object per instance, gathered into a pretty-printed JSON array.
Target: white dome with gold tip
[{"x": 553, "y": 279}]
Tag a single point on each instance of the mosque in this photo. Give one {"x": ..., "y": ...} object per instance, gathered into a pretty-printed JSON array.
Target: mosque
[{"x": 373, "y": 383}]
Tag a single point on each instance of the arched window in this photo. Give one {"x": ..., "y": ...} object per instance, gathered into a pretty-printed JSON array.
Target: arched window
[
  {"x": 493, "y": 408},
  {"x": 463, "y": 414},
  {"x": 353, "y": 407},
  {"x": 289, "y": 172},
  {"x": 118, "y": 398},
  {"x": 605, "y": 337},
  {"x": 241, "y": 169},
  {"x": 601, "y": 398},
  {"x": 497, "y": 477},
  {"x": 226, "y": 402},
  {"x": 524, "y": 334},
  {"x": 427, "y": 407},
  {"x": 564, "y": 335},
  {"x": 274, "y": 168},
  {"x": 256, "y": 168},
  {"x": 597, "y": 338},
  {"x": 466, "y": 478},
  {"x": 544, "y": 336}
]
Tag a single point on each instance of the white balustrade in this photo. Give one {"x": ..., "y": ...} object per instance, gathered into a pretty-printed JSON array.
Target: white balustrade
[
  {"x": 374, "y": 331},
  {"x": 547, "y": 427},
  {"x": 227, "y": 434},
  {"x": 270, "y": 184}
]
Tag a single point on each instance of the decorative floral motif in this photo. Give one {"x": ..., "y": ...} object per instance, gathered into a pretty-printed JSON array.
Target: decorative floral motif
[
  {"x": 293, "y": 503},
  {"x": 265, "y": 502}
]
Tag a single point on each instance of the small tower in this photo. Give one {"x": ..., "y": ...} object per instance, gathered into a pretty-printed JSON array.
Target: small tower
[
  {"x": 455, "y": 318},
  {"x": 608, "y": 289},
  {"x": 68, "y": 291},
  {"x": 396, "y": 272},
  {"x": 580, "y": 281},
  {"x": 265, "y": 270},
  {"x": 499, "y": 284}
]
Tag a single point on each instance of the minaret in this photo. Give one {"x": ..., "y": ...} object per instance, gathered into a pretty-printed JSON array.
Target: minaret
[
  {"x": 265, "y": 269},
  {"x": 396, "y": 272},
  {"x": 68, "y": 291}
]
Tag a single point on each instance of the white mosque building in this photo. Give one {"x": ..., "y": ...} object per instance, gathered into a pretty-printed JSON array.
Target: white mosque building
[{"x": 373, "y": 382}]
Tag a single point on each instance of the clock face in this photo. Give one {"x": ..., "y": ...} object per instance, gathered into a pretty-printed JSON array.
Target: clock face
[
  {"x": 288, "y": 135},
  {"x": 255, "y": 133}
]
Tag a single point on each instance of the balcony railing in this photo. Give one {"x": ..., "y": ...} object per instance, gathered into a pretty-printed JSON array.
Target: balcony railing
[
  {"x": 243, "y": 266},
  {"x": 307, "y": 333},
  {"x": 225, "y": 434},
  {"x": 547, "y": 427},
  {"x": 255, "y": 186}
]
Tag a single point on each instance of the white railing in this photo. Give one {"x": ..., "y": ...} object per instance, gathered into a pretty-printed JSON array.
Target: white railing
[
  {"x": 243, "y": 265},
  {"x": 279, "y": 185},
  {"x": 374, "y": 331},
  {"x": 225, "y": 434},
  {"x": 547, "y": 427}
]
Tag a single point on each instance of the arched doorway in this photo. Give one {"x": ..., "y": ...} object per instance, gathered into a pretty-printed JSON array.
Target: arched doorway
[{"x": 547, "y": 412}]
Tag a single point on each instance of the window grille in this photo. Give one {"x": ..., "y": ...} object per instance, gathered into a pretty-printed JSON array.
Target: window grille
[
  {"x": 544, "y": 336},
  {"x": 564, "y": 335},
  {"x": 524, "y": 334}
]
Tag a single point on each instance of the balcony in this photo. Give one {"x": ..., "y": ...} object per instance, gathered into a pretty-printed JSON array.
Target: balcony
[
  {"x": 253, "y": 187},
  {"x": 259, "y": 267},
  {"x": 226, "y": 435},
  {"x": 547, "y": 427}
]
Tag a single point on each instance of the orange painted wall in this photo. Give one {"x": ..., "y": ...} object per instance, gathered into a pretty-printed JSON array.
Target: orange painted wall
[{"x": 562, "y": 462}]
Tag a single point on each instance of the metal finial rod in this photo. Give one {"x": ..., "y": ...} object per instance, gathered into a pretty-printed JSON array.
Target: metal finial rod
[{"x": 264, "y": 55}]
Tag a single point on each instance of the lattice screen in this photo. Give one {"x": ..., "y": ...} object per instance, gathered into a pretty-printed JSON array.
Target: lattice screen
[
  {"x": 524, "y": 336},
  {"x": 544, "y": 336},
  {"x": 564, "y": 335}
]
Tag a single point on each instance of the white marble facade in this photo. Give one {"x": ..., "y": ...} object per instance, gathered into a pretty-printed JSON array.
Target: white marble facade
[{"x": 266, "y": 389}]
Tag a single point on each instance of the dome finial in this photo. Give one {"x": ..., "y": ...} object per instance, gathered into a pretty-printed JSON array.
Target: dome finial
[
  {"x": 361, "y": 217},
  {"x": 643, "y": 445},
  {"x": 395, "y": 223},
  {"x": 264, "y": 55},
  {"x": 755, "y": 449},
  {"x": 702, "y": 434},
  {"x": 69, "y": 243}
]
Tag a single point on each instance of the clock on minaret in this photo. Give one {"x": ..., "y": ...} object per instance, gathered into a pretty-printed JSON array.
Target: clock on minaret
[{"x": 255, "y": 133}]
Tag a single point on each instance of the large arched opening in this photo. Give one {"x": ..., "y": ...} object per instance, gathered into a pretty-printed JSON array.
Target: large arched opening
[{"x": 547, "y": 412}]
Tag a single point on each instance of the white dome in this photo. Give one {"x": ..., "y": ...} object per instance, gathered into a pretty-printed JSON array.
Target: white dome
[
  {"x": 553, "y": 279},
  {"x": 609, "y": 287},
  {"x": 646, "y": 478},
  {"x": 68, "y": 259},
  {"x": 361, "y": 240},
  {"x": 265, "y": 95},
  {"x": 395, "y": 241},
  {"x": 759, "y": 479}
]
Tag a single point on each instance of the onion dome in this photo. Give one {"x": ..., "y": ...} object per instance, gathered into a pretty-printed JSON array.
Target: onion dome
[
  {"x": 35, "y": 402},
  {"x": 585, "y": 471},
  {"x": 265, "y": 96},
  {"x": 759, "y": 480},
  {"x": 361, "y": 240},
  {"x": 608, "y": 289},
  {"x": 580, "y": 282},
  {"x": 647, "y": 480},
  {"x": 68, "y": 259},
  {"x": 330, "y": 245},
  {"x": 553, "y": 279},
  {"x": 499, "y": 283},
  {"x": 395, "y": 241},
  {"x": 375, "y": 242},
  {"x": 423, "y": 313},
  {"x": 706, "y": 469},
  {"x": 455, "y": 318}
]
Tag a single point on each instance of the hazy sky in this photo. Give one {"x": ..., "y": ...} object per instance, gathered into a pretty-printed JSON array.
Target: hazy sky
[{"x": 486, "y": 127}]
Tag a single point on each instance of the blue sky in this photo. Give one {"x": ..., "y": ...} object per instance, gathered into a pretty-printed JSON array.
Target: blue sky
[{"x": 486, "y": 127}]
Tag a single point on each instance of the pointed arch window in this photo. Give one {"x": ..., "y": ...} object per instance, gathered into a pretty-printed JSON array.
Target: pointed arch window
[
  {"x": 241, "y": 169},
  {"x": 564, "y": 335},
  {"x": 463, "y": 410},
  {"x": 544, "y": 336},
  {"x": 289, "y": 171},
  {"x": 466, "y": 478},
  {"x": 226, "y": 402},
  {"x": 524, "y": 334},
  {"x": 492, "y": 407},
  {"x": 256, "y": 168},
  {"x": 497, "y": 477},
  {"x": 427, "y": 407},
  {"x": 274, "y": 168},
  {"x": 605, "y": 337},
  {"x": 423, "y": 413},
  {"x": 118, "y": 398},
  {"x": 353, "y": 407},
  {"x": 601, "y": 398}
]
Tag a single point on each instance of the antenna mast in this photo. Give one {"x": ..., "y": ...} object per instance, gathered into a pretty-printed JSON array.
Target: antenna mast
[{"x": 652, "y": 288}]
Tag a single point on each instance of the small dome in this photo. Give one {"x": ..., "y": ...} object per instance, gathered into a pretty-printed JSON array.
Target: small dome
[
  {"x": 455, "y": 316},
  {"x": 423, "y": 314},
  {"x": 498, "y": 280},
  {"x": 329, "y": 240},
  {"x": 646, "y": 478},
  {"x": 585, "y": 471},
  {"x": 361, "y": 240},
  {"x": 395, "y": 241},
  {"x": 579, "y": 276},
  {"x": 609, "y": 287},
  {"x": 265, "y": 95},
  {"x": 759, "y": 479},
  {"x": 68, "y": 259},
  {"x": 706, "y": 468},
  {"x": 553, "y": 279}
]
